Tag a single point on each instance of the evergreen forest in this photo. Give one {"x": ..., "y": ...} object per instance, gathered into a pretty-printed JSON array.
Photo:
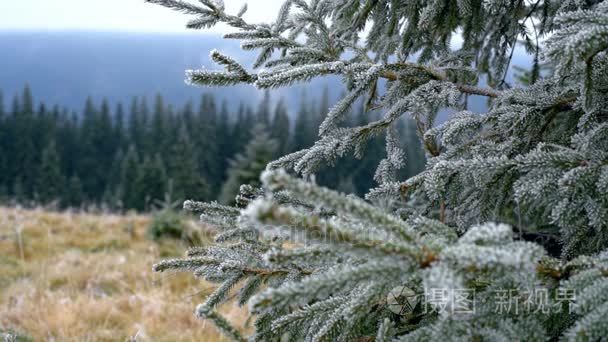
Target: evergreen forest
[{"x": 141, "y": 154}]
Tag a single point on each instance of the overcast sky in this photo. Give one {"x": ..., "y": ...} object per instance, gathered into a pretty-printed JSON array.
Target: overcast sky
[{"x": 112, "y": 15}]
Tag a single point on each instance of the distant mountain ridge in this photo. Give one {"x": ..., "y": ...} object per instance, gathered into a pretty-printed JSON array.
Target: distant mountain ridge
[{"x": 65, "y": 67}]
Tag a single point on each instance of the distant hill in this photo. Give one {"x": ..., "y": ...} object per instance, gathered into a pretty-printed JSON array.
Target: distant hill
[{"x": 65, "y": 67}]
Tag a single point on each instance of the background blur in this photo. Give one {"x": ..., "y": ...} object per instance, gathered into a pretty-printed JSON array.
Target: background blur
[{"x": 95, "y": 112}]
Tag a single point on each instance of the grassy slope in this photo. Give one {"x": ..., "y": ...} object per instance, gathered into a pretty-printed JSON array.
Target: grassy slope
[{"x": 79, "y": 277}]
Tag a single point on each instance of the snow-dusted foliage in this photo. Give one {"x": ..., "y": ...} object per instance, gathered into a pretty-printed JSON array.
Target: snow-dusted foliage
[{"x": 317, "y": 265}]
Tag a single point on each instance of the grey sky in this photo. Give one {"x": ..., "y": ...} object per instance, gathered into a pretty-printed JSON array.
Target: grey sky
[{"x": 114, "y": 15}]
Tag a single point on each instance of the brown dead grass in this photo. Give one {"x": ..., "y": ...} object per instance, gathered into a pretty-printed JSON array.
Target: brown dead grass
[{"x": 80, "y": 277}]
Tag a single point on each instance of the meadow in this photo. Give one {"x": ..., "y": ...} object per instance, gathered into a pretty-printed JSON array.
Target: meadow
[{"x": 84, "y": 277}]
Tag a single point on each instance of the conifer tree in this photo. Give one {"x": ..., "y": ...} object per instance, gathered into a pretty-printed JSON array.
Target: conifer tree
[
  {"x": 203, "y": 136},
  {"x": 27, "y": 101},
  {"x": 118, "y": 132},
  {"x": 187, "y": 114},
  {"x": 104, "y": 143},
  {"x": 224, "y": 143},
  {"x": 303, "y": 125},
  {"x": 89, "y": 137},
  {"x": 246, "y": 167},
  {"x": 135, "y": 122},
  {"x": 116, "y": 173},
  {"x": 42, "y": 125},
  {"x": 159, "y": 124},
  {"x": 183, "y": 169},
  {"x": 323, "y": 108},
  {"x": 241, "y": 133},
  {"x": 67, "y": 143},
  {"x": 50, "y": 183},
  {"x": 539, "y": 154},
  {"x": 280, "y": 129},
  {"x": 21, "y": 163},
  {"x": 151, "y": 182},
  {"x": 130, "y": 198},
  {"x": 263, "y": 112},
  {"x": 74, "y": 195}
]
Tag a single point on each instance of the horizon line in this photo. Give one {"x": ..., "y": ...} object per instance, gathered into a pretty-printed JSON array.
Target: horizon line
[{"x": 106, "y": 30}]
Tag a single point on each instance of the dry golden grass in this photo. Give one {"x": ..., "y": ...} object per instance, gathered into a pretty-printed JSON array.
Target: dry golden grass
[{"x": 80, "y": 277}]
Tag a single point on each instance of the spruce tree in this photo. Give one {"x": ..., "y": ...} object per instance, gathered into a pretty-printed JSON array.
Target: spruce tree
[
  {"x": 21, "y": 163},
  {"x": 263, "y": 111},
  {"x": 204, "y": 136},
  {"x": 280, "y": 129},
  {"x": 50, "y": 182},
  {"x": 322, "y": 108},
  {"x": 151, "y": 182},
  {"x": 183, "y": 170},
  {"x": 129, "y": 196},
  {"x": 135, "y": 123},
  {"x": 241, "y": 132},
  {"x": 27, "y": 101},
  {"x": 187, "y": 114},
  {"x": 105, "y": 143},
  {"x": 15, "y": 106},
  {"x": 67, "y": 143},
  {"x": 144, "y": 126},
  {"x": 303, "y": 126},
  {"x": 118, "y": 132},
  {"x": 159, "y": 124},
  {"x": 115, "y": 173},
  {"x": 88, "y": 149},
  {"x": 74, "y": 195},
  {"x": 538, "y": 157},
  {"x": 225, "y": 145},
  {"x": 246, "y": 167}
]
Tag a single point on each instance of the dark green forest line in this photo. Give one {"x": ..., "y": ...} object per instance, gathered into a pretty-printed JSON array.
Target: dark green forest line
[{"x": 135, "y": 156}]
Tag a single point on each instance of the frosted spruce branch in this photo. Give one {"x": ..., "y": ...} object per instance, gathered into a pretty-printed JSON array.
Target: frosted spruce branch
[
  {"x": 259, "y": 36},
  {"x": 317, "y": 265}
]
